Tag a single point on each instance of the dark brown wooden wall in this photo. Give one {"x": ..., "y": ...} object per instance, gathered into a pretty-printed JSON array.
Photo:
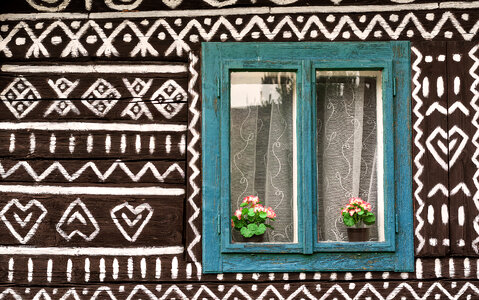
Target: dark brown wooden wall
[{"x": 101, "y": 145}]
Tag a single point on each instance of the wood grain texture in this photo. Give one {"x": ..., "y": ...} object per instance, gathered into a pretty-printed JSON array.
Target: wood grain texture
[
  {"x": 73, "y": 97},
  {"x": 97, "y": 220},
  {"x": 36, "y": 144},
  {"x": 461, "y": 130},
  {"x": 430, "y": 88}
]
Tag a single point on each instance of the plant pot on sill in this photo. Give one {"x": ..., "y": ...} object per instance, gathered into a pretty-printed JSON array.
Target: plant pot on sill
[
  {"x": 239, "y": 238},
  {"x": 360, "y": 234}
]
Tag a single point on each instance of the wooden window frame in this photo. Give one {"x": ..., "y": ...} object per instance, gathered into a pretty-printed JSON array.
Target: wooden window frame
[{"x": 393, "y": 59}]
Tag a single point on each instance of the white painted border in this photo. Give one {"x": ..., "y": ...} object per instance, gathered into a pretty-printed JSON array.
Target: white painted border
[
  {"x": 90, "y": 190},
  {"x": 89, "y": 126},
  {"x": 90, "y": 251},
  {"x": 245, "y": 11},
  {"x": 145, "y": 68}
]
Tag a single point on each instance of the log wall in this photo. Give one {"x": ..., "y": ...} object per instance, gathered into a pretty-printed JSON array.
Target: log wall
[{"x": 100, "y": 152}]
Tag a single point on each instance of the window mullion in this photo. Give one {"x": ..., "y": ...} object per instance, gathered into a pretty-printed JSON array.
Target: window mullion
[{"x": 306, "y": 156}]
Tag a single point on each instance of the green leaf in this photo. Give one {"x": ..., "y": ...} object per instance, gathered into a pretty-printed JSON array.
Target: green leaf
[
  {"x": 361, "y": 213},
  {"x": 253, "y": 228},
  {"x": 251, "y": 212},
  {"x": 263, "y": 215},
  {"x": 261, "y": 229},
  {"x": 244, "y": 212},
  {"x": 246, "y": 233},
  {"x": 369, "y": 220},
  {"x": 243, "y": 204},
  {"x": 348, "y": 220}
]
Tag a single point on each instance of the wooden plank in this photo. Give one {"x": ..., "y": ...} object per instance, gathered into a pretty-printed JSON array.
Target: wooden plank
[
  {"x": 430, "y": 152},
  {"x": 461, "y": 146},
  {"x": 91, "y": 221},
  {"x": 247, "y": 290},
  {"x": 73, "y": 97},
  {"x": 92, "y": 171},
  {"x": 34, "y": 144}
]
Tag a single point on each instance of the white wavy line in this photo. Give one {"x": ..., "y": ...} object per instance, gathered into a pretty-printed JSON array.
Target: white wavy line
[
  {"x": 91, "y": 165},
  {"x": 417, "y": 142},
  {"x": 194, "y": 160},
  {"x": 475, "y": 141}
]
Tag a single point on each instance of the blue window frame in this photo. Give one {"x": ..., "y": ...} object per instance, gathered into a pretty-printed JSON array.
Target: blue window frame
[{"x": 395, "y": 252}]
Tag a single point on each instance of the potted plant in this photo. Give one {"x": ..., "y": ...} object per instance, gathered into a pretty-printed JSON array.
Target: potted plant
[
  {"x": 250, "y": 220},
  {"x": 356, "y": 216}
]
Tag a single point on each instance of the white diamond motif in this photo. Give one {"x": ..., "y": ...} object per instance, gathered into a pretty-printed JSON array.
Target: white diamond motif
[
  {"x": 169, "y": 99},
  {"x": 20, "y": 97},
  {"x": 101, "y": 97}
]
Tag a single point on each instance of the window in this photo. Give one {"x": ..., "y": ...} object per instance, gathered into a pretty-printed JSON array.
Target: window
[{"x": 305, "y": 126}]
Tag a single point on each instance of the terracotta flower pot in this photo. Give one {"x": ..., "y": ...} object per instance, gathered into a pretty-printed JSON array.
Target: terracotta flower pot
[
  {"x": 239, "y": 238},
  {"x": 358, "y": 234}
]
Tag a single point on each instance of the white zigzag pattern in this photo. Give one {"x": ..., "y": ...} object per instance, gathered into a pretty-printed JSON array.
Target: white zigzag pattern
[
  {"x": 404, "y": 289},
  {"x": 417, "y": 142},
  {"x": 144, "y": 48},
  {"x": 101, "y": 176},
  {"x": 475, "y": 141},
  {"x": 193, "y": 161}
]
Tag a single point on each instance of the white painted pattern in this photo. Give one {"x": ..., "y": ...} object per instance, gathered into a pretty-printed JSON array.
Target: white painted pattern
[
  {"x": 137, "y": 107},
  {"x": 118, "y": 164},
  {"x": 62, "y": 87},
  {"x": 475, "y": 139},
  {"x": 20, "y": 97},
  {"x": 169, "y": 99},
  {"x": 12, "y": 219},
  {"x": 101, "y": 97},
  {"x": 421, "y": 150},
  {"x": 433, "y": 142},
  {"x": 194, "y": 161},
  {"x": 77, "y": 211},
  {"x": 125, "y": 224},
  {"x": 179, "y": 46}
]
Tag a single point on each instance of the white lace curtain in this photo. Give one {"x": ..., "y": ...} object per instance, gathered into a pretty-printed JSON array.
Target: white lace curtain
[
  {"x": 261, "y": 143},
  {"x": 262, "y": 146},
  {"x": 347, "y": 148}
]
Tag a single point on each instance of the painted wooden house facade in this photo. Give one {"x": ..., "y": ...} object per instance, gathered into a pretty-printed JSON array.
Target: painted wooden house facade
[{"x": 117, "y": 151}]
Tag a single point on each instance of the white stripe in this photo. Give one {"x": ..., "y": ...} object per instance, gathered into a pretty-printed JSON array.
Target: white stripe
[
  {"x": 92, "y": 251},
  {"x": 30, "y": 268},
  {"x": 11, "y": 265},
  {"x": 94, "y": 69},
  {"x": 130, "y": 267},
  {"x": 242, "y": 11},
  {"x": 143, "y": 267},
  {"x": 85, "y": 126},
  {"x": 174, "y": 268},
  {"x": 116, "y": 269},
  {"x": 102, "y": 267},
  {"x": 158, "y": 269},
  {"x": 49, "y": 270},
  {"x": 90, "y": 190},
  {"x": 12, "y": 143},
  {"x": 69, "y": 270},
  {"x": 87, "y": 269}
]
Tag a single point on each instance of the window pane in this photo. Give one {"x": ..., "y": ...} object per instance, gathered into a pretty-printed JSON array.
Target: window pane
[
  {"x": 262, "y": 157},
  {"x": 349, "y": 149}
]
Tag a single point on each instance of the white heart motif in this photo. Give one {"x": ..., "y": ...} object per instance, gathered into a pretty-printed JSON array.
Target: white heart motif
[
  {"x": 23, "y": 223},
  {"x": 131, "y": 223},
  {"x": 453, "y": 148}
]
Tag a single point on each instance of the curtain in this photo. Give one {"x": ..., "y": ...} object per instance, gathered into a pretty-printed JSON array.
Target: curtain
[
  {"x": 346, "y": 148},
  {"x": 261, "y": 145}
]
